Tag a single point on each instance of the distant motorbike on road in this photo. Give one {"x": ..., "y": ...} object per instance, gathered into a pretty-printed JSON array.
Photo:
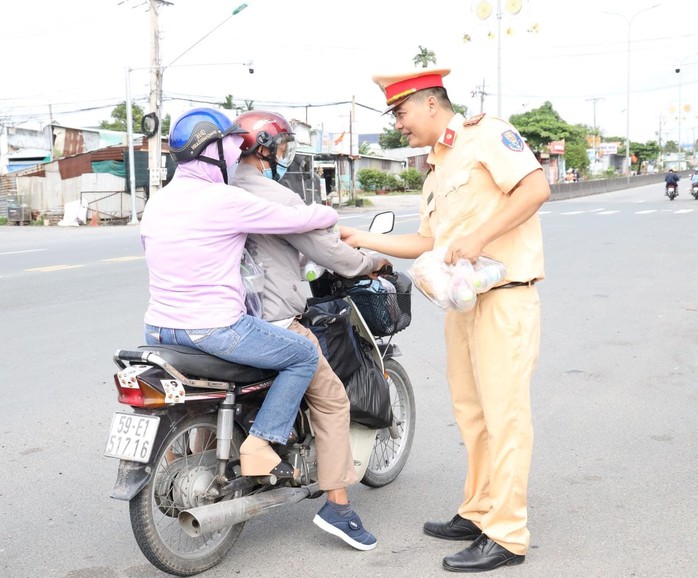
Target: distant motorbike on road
[
  {"x": 179, "y": 446},
  {"x": 694, "y": 190},
  {"x": 672, "y": 191}
]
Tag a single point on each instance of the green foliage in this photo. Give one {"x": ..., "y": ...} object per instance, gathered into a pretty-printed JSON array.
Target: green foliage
[
  {"x": 228, "y": 104},
  {"x": 391, "y": 182},
  {"x": 370, "y": 179},
  {"x": 460, "y": 109},
  {"x": 365, "y": 148},
  {"x": 671, "y": 147},
  {"x": 3, "y": 220},
  {"x": 648, "y": 151},
  {"x": 375, "y": 180},
  {"x": 392, "y": 139},
  {"x": 165, "y": 125},
  {"x": 424, "y": 57},
  {"x": 118, "y": 114},
  {"x": 412, "y": 178},
  {"x": 541, "y": 126},
  {"x": 576, "y": 155}
]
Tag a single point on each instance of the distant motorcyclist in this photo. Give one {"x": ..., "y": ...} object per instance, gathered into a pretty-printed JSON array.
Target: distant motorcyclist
[
  {"x": 671, "y": 179},
  {"x": 694, "y": 176}
]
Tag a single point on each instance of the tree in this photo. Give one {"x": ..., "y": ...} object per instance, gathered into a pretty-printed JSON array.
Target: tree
[
  {"x": 228, "y": 104},
  {"x": 412, "y": 178},
  {"x": 541, "y": 126},
  {"x": 365, "y": 148},
  {"x": 460, "y": 109},
  {"x": 119, "y": 122},
  {"x": 392, "y": 138},
  {"x": 119, "y": 116},
  {"x": 671, "y": 147},
  {"x": 648, "y": 151},
  {"x": 424, "y": 57}
]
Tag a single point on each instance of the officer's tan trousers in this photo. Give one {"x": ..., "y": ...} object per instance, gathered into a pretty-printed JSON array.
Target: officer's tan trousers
[
  {"x": 329, "y": 413},
  {"x": 492, "y": 352}
]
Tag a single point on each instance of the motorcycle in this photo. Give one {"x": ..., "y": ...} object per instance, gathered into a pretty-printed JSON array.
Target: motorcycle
[
  {"x": 672, "y": 191},
  {"x": 694, "y": 190},
  {"x": 179, "y": 447}
]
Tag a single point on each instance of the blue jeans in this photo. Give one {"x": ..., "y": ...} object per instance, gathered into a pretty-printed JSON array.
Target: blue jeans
[{"x": 251, "y": 341}]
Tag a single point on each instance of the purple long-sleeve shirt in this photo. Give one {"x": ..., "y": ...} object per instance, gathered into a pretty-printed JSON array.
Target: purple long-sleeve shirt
[{"x": 193, "y": 233}]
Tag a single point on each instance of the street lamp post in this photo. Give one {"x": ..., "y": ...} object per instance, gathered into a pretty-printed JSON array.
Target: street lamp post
[
  {"x": 629, "y": 22},
  {"x": 678, "y": 71}
]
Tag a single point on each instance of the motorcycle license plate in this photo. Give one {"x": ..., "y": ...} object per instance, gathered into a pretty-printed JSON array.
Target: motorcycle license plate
[{"x": 131, "y": 437}]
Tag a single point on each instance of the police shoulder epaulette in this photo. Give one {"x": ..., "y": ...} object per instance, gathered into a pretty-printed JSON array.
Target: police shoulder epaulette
[{"x": 473, "y": 120}]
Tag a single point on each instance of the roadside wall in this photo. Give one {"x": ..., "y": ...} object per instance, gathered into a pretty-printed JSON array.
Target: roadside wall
[{"x": 561, "y": 191}]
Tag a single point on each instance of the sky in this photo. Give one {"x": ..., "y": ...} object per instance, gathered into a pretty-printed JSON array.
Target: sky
[{"x": 68, "y": 61}]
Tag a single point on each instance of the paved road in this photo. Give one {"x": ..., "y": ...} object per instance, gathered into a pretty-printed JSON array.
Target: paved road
[{"x": 613, "y": 484}]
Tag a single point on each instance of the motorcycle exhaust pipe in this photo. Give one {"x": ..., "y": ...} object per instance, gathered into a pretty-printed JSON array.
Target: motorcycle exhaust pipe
[{"x": 214, "y": 517}]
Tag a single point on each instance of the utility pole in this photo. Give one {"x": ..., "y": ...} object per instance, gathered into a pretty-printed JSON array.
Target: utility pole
[
  {"x": 595, "y": 135},
  {"x": 351, "y": 148},
  {"x": 155, "y": 141},
  {"x": 481, "y": 91}
]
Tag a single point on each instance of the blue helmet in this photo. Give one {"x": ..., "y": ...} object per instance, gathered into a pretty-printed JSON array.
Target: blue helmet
[{"x": 195, "y": 129}]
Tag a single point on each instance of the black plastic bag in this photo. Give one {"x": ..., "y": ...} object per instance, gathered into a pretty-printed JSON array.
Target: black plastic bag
[
  {"x": 329, "y": 320},
  {"x": 369, "y": 392}
]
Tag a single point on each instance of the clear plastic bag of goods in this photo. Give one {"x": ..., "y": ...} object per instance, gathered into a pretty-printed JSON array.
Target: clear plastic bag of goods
[
  {"x": 454, "y": 286},
  {"x": 432, "y": 277}
]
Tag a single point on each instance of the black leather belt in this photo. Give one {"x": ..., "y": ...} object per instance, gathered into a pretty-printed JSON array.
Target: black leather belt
[{"x": 515, "y": 284}]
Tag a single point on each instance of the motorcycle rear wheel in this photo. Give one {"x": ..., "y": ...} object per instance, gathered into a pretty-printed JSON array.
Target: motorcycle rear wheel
[
  {"x": 182, "y": 470},
  {"x": 389, "y": 454}
]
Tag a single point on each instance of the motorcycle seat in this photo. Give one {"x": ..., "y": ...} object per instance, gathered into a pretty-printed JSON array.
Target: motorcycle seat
[{"x": 198, "y": 364}]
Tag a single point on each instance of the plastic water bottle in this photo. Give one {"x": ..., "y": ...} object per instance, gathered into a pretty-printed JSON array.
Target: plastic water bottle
[
  {"x": 312, "y": 271},
  {"x": 487, "y": 273},
  {"x": 460, "y": 290}
]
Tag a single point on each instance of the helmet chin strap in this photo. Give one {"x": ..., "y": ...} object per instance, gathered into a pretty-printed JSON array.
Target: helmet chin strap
[
  {"x": 272, "y": 164},
  {"x": 220, "y": 163}
]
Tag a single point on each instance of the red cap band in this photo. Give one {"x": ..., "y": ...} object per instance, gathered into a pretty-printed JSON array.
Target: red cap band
[{"x": 398, "y": 90}]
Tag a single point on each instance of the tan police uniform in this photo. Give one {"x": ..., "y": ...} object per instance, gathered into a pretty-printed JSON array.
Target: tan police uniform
[{"x": 492, "y": 350}]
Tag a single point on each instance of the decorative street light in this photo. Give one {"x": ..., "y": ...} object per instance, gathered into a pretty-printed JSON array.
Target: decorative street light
[{"x": 629, "y": 22}]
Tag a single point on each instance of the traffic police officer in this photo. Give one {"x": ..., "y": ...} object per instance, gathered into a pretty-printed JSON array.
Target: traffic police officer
[{"x": 480, "y": 197}]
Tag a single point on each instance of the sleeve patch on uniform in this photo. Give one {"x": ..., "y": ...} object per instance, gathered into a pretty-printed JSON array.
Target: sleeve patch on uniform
[{"x": 512, "y": 141}]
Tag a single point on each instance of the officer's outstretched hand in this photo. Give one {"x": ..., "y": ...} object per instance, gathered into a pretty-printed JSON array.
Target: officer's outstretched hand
[{"x": 350, "y": 235}]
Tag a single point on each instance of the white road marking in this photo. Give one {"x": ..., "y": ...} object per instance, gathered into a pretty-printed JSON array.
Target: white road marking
[
  {"x": 19, "y": 252},
  {"x": 55, "y": 268}
]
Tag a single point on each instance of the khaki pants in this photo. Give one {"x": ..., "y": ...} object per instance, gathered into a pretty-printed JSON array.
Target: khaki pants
[
  {"x": 329, "y": 413},
  {"x": 492, "y": 352}
]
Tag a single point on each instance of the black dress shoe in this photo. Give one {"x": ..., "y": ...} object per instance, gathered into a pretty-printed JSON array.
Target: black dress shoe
[
  {"x": 482, "y": 555},
  {"x": 456, "y": 529}
]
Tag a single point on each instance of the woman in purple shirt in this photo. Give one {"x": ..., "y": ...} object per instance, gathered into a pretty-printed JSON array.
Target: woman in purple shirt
[{"x": 193, "y": 232}]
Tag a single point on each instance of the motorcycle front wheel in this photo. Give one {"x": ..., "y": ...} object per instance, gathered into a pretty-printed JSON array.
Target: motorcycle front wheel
[
  {"x": 392, "y": 446},
  {"x": 182, "y": 473}
]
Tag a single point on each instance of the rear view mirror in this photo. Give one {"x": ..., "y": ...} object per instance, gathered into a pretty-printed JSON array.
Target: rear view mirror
[{"x": 382, "y": 223}]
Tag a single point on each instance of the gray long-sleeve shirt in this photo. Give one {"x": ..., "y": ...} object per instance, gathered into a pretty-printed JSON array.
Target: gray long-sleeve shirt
[{"x": 285, "y": 291}]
